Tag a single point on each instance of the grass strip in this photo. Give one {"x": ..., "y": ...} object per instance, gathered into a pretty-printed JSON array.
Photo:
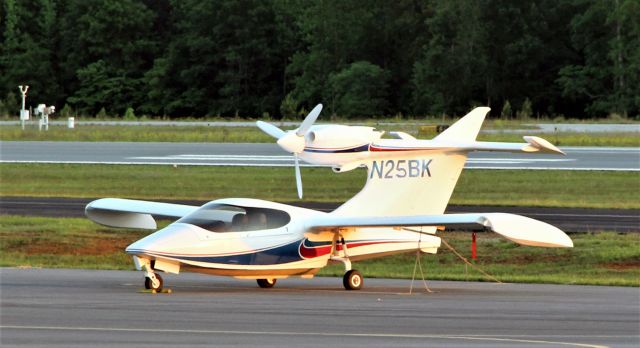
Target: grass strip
[
  {"x": 254, "y": 135},
  {"x": 196, "y": 134},
  {"x": 596, "y": 259},
  {"x": 541, "y": 188}
]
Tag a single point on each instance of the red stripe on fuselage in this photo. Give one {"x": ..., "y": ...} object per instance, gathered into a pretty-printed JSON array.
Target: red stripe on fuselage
[{"x": 309, "y": 253}]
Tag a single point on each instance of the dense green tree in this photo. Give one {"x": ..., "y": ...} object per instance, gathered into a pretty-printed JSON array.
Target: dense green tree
[
  {"x": 104, "y": 53},
  {"x": 338, "y": 33},
  {"x": 332, "y": 31},
  {"x": 226, "y": 58},
  {"x": 360, "y": 89},
  {"x": 502, "y": 50},
  {"x": 358, "y": 57},
  {"x": 27, "y": 50},
  {"x": 606, "y": 79},
  {"x": 452, "y": 65}
]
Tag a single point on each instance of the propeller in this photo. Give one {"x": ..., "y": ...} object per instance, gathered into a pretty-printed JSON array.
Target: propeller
[
  {"x": 270, "y": 129},
  {"x": 293, "y": 141},
  {"x": 298, "y": 176}
]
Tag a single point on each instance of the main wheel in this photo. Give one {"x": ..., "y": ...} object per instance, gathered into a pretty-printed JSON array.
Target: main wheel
[
  {"x": 266, "y": 283},
  {"x": 352, "y": 280},
  {"x": 153, "y": 284}
]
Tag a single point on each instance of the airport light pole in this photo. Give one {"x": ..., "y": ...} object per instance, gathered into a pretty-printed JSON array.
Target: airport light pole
[{"x": 24, "y": 114}]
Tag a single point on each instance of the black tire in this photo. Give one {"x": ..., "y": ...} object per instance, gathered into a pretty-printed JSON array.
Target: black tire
[
  {"x": 148, "y": 284},
  {"x": 352, "y": 280},
  {"x": 266, "y": 283}
]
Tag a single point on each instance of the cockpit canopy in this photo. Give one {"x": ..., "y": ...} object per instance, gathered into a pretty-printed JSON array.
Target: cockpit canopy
[{"x": 217, "y": 217}]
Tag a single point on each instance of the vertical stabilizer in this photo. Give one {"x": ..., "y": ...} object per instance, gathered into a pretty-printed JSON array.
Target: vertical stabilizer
[
  {"x": 467, "y": 128},
  {"x": 415, "y": 181}
]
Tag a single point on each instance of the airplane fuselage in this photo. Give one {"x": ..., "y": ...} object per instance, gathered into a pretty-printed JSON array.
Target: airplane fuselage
[{"x": 224, "y": 247}]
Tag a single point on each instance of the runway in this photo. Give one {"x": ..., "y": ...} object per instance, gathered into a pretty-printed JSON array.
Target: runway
[
  {"x": 567, "y": 219},
  {"x": 224, "y": 154},
  {"x": 44, "y": 307}
]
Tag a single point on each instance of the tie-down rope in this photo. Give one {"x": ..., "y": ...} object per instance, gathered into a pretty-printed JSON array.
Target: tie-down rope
[
  {"x": 469, "y": 263},
  {"x": 455, "y": 252}
]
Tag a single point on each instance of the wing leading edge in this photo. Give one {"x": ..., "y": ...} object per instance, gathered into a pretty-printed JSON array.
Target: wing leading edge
[
  {"x": 519, "y": 229},
  {"x": 128, "y": 213}
]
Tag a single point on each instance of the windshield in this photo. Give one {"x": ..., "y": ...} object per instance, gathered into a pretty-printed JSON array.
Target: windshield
[{"x": 217, "y": 217}]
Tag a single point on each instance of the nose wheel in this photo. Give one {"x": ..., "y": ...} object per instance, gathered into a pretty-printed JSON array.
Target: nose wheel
[
  {"x": 352, "y": 280},
  {"x": 153, "y": 281},
  {"x": 266, "y": 283}
]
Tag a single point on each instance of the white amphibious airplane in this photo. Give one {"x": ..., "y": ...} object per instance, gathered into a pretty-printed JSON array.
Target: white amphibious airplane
[{"x": 399, "y": 210}]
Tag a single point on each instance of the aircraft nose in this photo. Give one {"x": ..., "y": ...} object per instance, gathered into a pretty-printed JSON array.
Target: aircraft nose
[{"x": 171, "y": 239}]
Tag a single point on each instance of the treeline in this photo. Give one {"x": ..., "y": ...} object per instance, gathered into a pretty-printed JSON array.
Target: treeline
[{"x": 579, "y": 58}]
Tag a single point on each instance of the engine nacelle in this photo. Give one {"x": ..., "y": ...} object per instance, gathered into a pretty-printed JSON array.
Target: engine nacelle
[{"x": 340, "y": 136}]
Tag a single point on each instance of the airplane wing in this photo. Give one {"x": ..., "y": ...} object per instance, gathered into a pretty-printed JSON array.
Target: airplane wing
[
  {"x": 128, "y": 213},
  {"x": 519, "y": 229}
]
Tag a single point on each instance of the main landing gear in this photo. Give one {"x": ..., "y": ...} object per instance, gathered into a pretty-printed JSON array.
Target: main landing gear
[
  {"x": 352, "y": 280},
  {"x": 266, "y": 283}
]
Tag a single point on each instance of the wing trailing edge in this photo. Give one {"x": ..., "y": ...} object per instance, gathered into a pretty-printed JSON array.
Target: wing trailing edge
[{"x": 519, "y": 229}]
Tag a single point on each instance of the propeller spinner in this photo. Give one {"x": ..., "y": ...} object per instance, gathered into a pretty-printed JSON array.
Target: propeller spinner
[{"x": 293, "y": 141}]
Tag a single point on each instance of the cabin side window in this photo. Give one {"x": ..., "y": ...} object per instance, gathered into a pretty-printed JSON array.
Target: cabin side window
[{"x": 229, "y": 218}]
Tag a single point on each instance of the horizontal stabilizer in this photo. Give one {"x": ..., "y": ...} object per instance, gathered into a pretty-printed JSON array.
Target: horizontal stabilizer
[
  {"x": 519, "y": 229},
  {"x": 533, "y": 144},
  {"x": 128, "y": 213},
  {"x": 539, "y": 144}
]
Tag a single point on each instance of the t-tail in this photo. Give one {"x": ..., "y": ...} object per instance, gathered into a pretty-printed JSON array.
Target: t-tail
[{"x": 417, "y": 180}]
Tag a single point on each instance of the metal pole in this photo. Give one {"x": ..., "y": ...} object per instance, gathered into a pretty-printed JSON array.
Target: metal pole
[
  {"x": 474, "y": 255},
  {"x": 23, "y": 90}
]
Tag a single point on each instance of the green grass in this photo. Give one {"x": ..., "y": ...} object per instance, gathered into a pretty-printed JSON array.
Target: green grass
[
  {"x": 549, "y": 188},
  {"x": 63, "y": 243},
  {"x": 544, "y": 188},
  {"x": 254, "y": 135},
  {"x": 138, "y": 133},
  {"x": 598, "y": 259}
]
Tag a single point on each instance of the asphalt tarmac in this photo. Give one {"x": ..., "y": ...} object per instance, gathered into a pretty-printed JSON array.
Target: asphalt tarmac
[
  {"x": 44, "y": 307},
  {"x": 222, "y": 154}
]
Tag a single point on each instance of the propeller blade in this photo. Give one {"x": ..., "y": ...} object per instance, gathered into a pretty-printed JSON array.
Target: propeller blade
[
  {"x": 309, "y": 120},
  {"x": 290, "y": 142},
  {"x": 298, "y": 177},
  {"x": 270, "y": 129}
]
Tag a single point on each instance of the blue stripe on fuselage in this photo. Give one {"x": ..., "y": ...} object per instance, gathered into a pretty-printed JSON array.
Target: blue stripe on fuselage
[
  {"x": 283, "y": 254},
  {"x": 353, "y": 149}
]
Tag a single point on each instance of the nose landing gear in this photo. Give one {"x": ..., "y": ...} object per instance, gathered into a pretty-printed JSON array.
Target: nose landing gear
[
  {"x": 153, "y": 281},
  {"x": 266, "y": 283}
]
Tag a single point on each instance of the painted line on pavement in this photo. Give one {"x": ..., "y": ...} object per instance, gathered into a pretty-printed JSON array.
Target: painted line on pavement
[{"x": 320, "y": 334}]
